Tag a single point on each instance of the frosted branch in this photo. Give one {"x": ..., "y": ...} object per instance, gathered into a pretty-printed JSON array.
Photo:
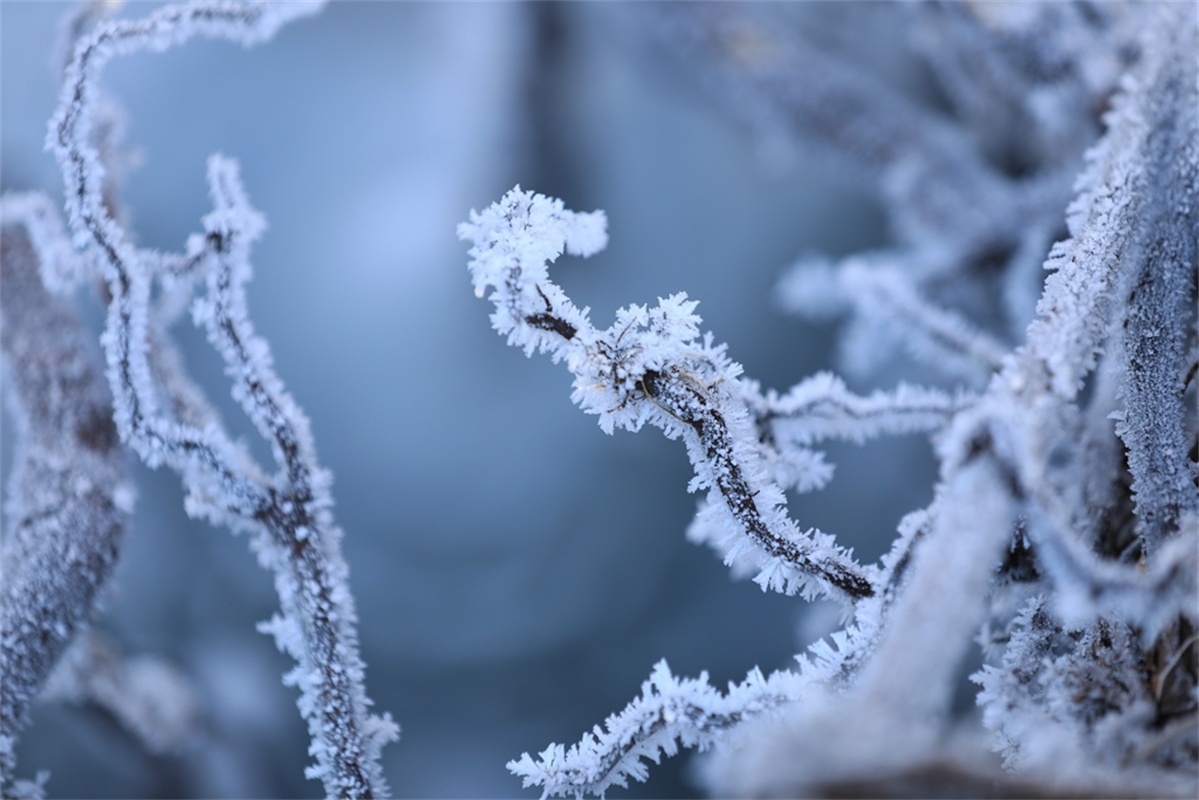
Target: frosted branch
[
  {"x": 884, "y": 301},
  {"x": 669, "y": 712},
  {"x": 68, "y": 499},
  {"x": 822, "y": 407},
  {"x": 910, "y": 672},
  {"x": 1101, "y": 674},
  {"x": 1158, "y": 324},
  {"x": 1133, "y": 236},
  {"x": 651, "y": 367},
  {"x": 148, "y": 697},
  {"x": 297, "y": 538},
  {"x": 1120, "y": 199}
]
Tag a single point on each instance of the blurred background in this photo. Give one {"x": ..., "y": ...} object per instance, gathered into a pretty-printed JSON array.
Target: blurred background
[{"x": 517, "y": 572}]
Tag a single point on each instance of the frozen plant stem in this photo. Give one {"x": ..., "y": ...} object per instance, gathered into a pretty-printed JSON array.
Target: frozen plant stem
[
  {"x": 669, "y": 708},
  {"x": 68, "y": 499},
  {"x": 650, "y": 366},
  {"x": 289, "y": 511}
]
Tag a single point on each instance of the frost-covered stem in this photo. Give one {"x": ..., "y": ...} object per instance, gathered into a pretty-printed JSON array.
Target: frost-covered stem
[
  {"x": 67, "y": 498},
  {"x": 690, "y": 404},
  {"x": 291, "y": 508},
  {"x": 1161, "y": 302},
  {"x": 296, "y": 516},
  {"x": 688, "y": 711},
  {"x": 1119, "y": 203},
  {"x": 934, "y": 333},
  {"x": 822, "y": 407},
  {"x": 1134, "y": 216},
  {"x": 241, "y": 21},
  {"x": 75, "y": 23},
  {"x": 882, "y": 291},
  {"x": 910, "y": 673},
  {"x": 650, "y": 366},
  {"x": 93, "y": 226},
  {"x": 1133, "y": 238}
]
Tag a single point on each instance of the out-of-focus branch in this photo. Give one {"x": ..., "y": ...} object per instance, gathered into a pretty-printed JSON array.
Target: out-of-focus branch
[
  {"x": 148, "y": 697},
  {"x": 68, "y": 500}
]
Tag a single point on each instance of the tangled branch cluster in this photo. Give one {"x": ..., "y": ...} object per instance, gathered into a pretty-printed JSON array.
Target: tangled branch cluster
[
  {"x": 1065, "y": 520},
  {"x": 161, "y": 415},
  {"x": 1048, "y": 317}
]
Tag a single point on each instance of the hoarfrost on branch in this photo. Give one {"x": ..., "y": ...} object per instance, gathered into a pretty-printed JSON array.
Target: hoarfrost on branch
[
  {"x": 1047, "y": 319},
  {"x": 1068, "y": 540},
  {"x": 164, "y": 417}
]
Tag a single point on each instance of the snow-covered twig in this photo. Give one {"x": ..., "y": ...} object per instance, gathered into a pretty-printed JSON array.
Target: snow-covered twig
[
  {"x": 886, "y": 305},
  {"x": 822, "y": 407},
  {"x": 688, "y": 710},
  {"x": 651, "y": 367},
  {"x": 289, "y": 511}
]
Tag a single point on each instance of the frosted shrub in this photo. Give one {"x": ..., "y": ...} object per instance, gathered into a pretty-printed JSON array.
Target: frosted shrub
[
  {"x": 1063, "y": 531},
  {"x": 1043, "y": 320}
]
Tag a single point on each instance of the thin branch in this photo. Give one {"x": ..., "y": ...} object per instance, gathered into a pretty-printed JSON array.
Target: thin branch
[
  {"x": 299, "y": 540},
  {"x": 651, "y": 367},
  {"x": 669, "y": 711}
]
